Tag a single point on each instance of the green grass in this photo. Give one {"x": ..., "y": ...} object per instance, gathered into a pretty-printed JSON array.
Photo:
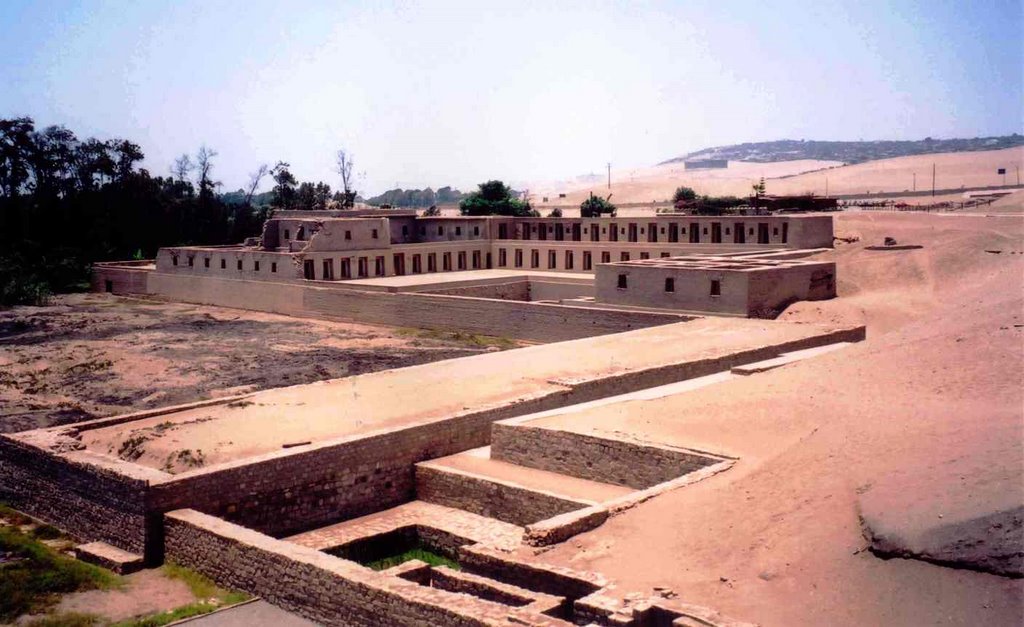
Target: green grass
[
  {"x": 65, "y": 619},
  {"x": 34, "y": 582},
  {"x": 475, "y": 340},
  {"x": 157, "y": 620},
  {"x": 421, "y": 554}
]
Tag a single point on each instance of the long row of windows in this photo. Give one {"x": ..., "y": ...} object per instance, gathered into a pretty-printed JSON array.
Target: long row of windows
[
  {"x": 693, "y": 232},
  {"x": 461, "y": 260},
  {"x": 224, "y": 263},
  {"x": 568, "y": 258}
]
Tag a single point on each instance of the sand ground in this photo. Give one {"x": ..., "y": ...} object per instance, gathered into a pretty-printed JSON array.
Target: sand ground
[
  {"x": 91, "y": 355},
  {"x": 930, "y": 408}
]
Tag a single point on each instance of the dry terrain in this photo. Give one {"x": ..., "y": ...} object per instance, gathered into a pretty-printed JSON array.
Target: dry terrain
[
  {"x": 657, "y": 184},
  {"x": 920, "y": 429},
  {"x": 92, "y": 355}
]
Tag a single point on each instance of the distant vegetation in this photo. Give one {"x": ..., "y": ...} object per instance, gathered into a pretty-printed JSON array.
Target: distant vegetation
[
  {"x": 495, "y": 198},
  {"x": 847, "y": 152},
  {"x": 417, "y": 197},
  {"x": 595, "y": 206}
]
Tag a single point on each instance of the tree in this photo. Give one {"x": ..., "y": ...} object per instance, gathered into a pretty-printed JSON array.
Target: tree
[
  {"x": 684, "y": 194},
  {"x": 254, "y": 182},
  {"x": 284, "y": 190},
  {"x": 495, "y": 198},
  {"x": 555, "y": 213},
  {"x": 758, "y": 189},
  {"x": 595, "y": 206},
  {"x": 344, "y": 168},
  {"x": 182, "y": 167},
  {"x": 432, "y": 211},
  {"x": 15, "y": 149},
  {"x": 204, "y": 165}
]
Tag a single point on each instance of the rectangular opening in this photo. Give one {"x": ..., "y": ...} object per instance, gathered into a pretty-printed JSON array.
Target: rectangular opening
[
  {"x": 534, "y": 258},
  {"x": 364, "y": 267},
  {"x": 670, "y": 284},
  {"x": 461, "y": 260},
  {"x": 346, "y": 268},
  {"x": 374, "y": 234},
  {"x": 716, "y": 287},
  {"x": 694, "y": 233},
  {"x": 673, "y": 232},
  {"x": 595, "y": 234},
  {"x": 624, "y": 257},
  {"x": 417, "y": 264},
  {"x": 645, "y": 255},
  {"x": 476, "y": 231},
  {"x": 785, "y": 232},
  {"x": 386, "y": 550},
  {"x": 716, "y": 232},
  {"x": 307, "y": 269},
  {"x": 588, "y": 262},
  {"x": 223, "y": 264},
  {"x": 606, "y": 257},
  {"x": 458, "y": 230},
  {"x": 632, "y": 232},
  {"x": 519, "y": 258},
  {"x": 108, "y": 286},
  {"x": 762, "y": 233},
  {"x": 378, "y": 266},
  {"x": 348, "y": 234},
  {"x": 502, "y": 258},
  {"x": 476, "y": 259},
  {"x": 652, "y": 232},
  {"x": 740, "y": 233},
  {"x": 256, "y": 266},
  {"x": 431, "y": 262},
  {"x": 502, "y": 231},
  {"x": 568, "y": 260},
  {"x": 239, "y": 264},
  {"x": 398, "y": 259},
  {"x": 206, "y": 262},
  {"x": 446, "y": 262},
  {"x": 623, "y": 282},
  {"x": 328, "y": 274},
  {"x": 287, "y": 234},
  {"x": 273, "y": 266},
  {"x": 552, "y": 259},
  {"x": 191, "y": 261}
]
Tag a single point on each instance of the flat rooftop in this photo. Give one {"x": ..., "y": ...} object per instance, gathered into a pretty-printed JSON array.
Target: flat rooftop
[
  {"x": 445, "y": 278},
  {"x": 705, "y": 262},
  {"x": 270, "y": 421}
]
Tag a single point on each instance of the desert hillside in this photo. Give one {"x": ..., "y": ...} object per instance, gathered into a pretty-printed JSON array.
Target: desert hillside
[{"x": 656, "y": 184}]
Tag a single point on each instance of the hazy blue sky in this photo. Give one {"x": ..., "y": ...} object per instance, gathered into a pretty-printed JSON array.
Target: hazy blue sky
[{"x": 455, "y": 93}]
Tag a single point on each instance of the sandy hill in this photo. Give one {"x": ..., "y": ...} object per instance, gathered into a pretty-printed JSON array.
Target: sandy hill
[
  {"x": 657, "y": 184},
  {"x": 922, "y": 424}
]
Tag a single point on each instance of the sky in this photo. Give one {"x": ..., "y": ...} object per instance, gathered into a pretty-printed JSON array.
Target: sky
[{"x": 439, "y": 93}]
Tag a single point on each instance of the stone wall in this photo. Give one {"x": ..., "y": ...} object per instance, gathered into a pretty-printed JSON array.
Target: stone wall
[
  {"x": 489, "y": 497},
  {"x": 529, "y": 321},
  {"x": 607, "y": 460},
  {"x": 86, "y": 500},
  {"x": 121, "y": 278},
  {"x": 514, "y": 289},
  {"x": 321, "y": 587}
]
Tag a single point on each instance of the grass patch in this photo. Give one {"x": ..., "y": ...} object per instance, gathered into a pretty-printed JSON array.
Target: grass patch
[
  {"x": 66, "y": 619},
  {"x": 475, "y": 340},
  {"x": 421, "y": 554},
  {"x": 34, "y": 575},
  {"x": 202, "y": 586},
  {"x": 185, "y": 611}
]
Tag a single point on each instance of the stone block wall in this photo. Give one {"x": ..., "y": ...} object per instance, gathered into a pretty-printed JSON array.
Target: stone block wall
[
  {"x": 607, "y": 460},
  {"x": 517, "y": 289},
  {"x": 489, "y": 497},
  {"x": 87, "y": 501},
  {"x": 122, "y": 278},
  {"x": 321, "y": 587}
]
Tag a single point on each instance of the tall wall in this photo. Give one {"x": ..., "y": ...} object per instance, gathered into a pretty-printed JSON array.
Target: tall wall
[{"x": 645, "y": 287}]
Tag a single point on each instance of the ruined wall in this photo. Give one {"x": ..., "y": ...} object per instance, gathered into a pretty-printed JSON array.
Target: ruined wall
[
  {"x": 320, "y": 587},
  {"x": 529, "y": 321},
  {"x": 86, "y": 500},
  {"x": 489, "y": 497},
  {"x": 776, "y": 289},
  {"x": 514, "y": 289},
  {"x": 121, "y": 278},
  {"x": 607, "y": 460}
]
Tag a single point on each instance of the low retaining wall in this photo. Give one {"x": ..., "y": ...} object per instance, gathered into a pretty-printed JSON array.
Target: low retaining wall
[
  {"x": 320, "y": 587},
  {"x": 86, "y": 500},
  {"x": 529, "y": 321},
  {"x": 489, "y": 497},
  {"x": 122, "y": 278},
  {"x": 603, "y": 459}
]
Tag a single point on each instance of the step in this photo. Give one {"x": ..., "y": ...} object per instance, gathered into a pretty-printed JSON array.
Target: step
[
  {"x": 476, "y": 483},
  {"x": 110, "y": 557},
  {"x": 787, "y": 358}
]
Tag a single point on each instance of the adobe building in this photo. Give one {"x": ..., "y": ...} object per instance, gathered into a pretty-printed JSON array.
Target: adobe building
[{"x": 326, "y": 251}]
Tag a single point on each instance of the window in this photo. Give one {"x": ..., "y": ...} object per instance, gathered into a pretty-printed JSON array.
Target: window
[
  {"x": 476, "y": 230},
  {"x": 477, "y": 259},
  {"x": 191, "y": 261},
  {"x": 374, "y": 233},
  {"x": 273, "y": 266},
  {"x": 775, "y": 231},
  {"x": 432, "y": 262},
  {"x": 568, "y": 260},
  {"x": 502, "y": 258},
  {"x": 552, "y": 259},
  {"x": 502, "y": 231},
  {"x": 440, "y": 230},
  {"x": 287, "y": 234},
  {"x": 256, "y": 266},
  {"x": 645, "y": 255},
  {"x": 423, "y": 230},
  {"x": 174, "y": 259},
  {"x": 364, "y": 267},
  {"x": 664, "y": 255},
  {"x": 348, "y": 234},
  {"x": 223, "y": 264},
  {"x": 458, "y": 230},
  {"x": 670, "y": 284},
  {"x": 328, "y": 274},
  {"x": 622, "y": 282},
  {"x": 716, "y": 287},
  {"x": 239, "y": 264},
  {"x": 624, "y": 257},
  {"x": 462, "y": 260},
  {"x": 405, "y": 230},
  {"x": 519, "y": 258},
  {"x": 301, "y": 233},
  {"x": 346, "y": 268},
  {"x": 378, "y": 266},
  {"x": 446, "y": 262},
  {"x": 588, "y": 262},
  {"x": 206, "y": 262},
  {"x": 606, "y": 257},
  {"x": 417, "y": 264}
]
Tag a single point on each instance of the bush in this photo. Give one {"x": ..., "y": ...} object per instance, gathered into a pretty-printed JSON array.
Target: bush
[
  {"x": 594, "y": 206},
  {"x": 684, "y": 194},
  {"x": 555, "y": 213}
]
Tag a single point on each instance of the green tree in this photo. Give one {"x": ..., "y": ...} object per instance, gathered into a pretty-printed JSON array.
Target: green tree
[
  {"x": 284, "y": 188},
  {"x": 495, "y": 198},
  {"x": 555, "y": 213},
  {"x": 595, "y": 206},
  {"x": 684, "y": 194}
]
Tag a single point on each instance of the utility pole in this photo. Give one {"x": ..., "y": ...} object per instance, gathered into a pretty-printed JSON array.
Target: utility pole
[
  {"x": 826, "y": 187},
  {"x": 915, "y": 181},
  {"x": 933, "y": 179},
  {"x": 609, "y": 175}
]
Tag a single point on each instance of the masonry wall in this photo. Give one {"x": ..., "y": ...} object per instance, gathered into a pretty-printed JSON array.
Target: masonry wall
[
  {"x": 645, "y": 287},
  {"x": 229, "y": 263},
  {"x": 517, "y": 289},
  {"x": 607, "y": 460},
  {"x": 121, "y": 278},
  {"x": 489, "y": 497},
  {"x": 320, "y": 587},
  {"x": 85, "y": 500},
  {"x": 530, "y": 321},
  {"x": 770, "y": 291}
]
